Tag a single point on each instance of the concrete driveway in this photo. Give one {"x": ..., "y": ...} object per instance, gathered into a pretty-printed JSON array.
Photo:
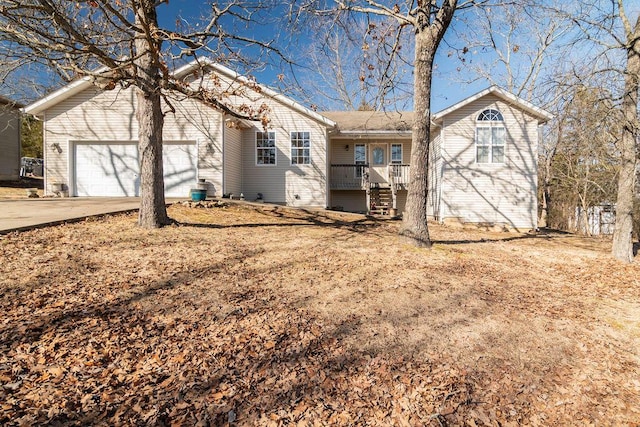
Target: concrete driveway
[{"x": 31, "y": 213}]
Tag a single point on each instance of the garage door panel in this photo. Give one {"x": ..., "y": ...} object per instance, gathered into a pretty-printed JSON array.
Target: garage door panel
[
  {"x": 112, "y": 169},
  {"x": 106, "y": 170}
]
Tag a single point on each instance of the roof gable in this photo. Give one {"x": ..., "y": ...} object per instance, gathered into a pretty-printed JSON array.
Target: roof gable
[
  {"x": 541, "y": 115},
  {"x": 84, "y": 83}
]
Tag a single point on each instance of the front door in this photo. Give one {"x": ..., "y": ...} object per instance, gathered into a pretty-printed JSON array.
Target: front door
[{"x": 378, "y": 162}]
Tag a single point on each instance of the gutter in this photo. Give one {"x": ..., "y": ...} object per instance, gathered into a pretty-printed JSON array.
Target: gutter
[{"x": 366, "y": 134}]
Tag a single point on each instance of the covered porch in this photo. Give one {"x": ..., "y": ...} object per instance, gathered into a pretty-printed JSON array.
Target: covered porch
[
  {"x": 381, "y": 184},
  {"x": 369, "y": 160}
]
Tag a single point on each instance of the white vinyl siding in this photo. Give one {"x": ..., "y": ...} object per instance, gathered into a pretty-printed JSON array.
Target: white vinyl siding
[
  {"x": 283, "y": 182},
  {"x": 504, "y": 193},
  {"x": 232, "y": 161},
  {"x": 435, "y": 174},
  {"x": 111, "y": 116}
]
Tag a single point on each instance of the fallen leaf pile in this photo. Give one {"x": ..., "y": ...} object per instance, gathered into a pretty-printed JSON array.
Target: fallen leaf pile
[{"x": 273, "y": 316}]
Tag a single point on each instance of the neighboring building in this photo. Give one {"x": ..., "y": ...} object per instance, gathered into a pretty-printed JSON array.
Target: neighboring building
[
  {"x": 9, "y": 139},
  {"x": 595, "y": 220},
  {"x": 483, "y": 161}
]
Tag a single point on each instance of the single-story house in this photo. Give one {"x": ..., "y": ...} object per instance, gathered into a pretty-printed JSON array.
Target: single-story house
[
  {"x": 9, "y": 139},
  {"x": 483, "y": 164}
]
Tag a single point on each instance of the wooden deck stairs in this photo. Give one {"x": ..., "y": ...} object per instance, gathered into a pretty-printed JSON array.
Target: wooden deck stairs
[{"x": 381, "y": 200}]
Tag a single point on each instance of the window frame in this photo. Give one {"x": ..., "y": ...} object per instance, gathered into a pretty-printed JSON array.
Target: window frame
[
  {"x": 274, "y": 148},
  {"x": 396, "y": 162},
  {"x": 384, "y": 155},
  {"x": 359, "y": 171},
  {"x": 492, "y": 120},
  {"x": 299, "y": 149}
]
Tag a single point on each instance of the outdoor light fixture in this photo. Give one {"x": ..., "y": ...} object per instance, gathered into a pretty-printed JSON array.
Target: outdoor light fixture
[
  {"x": 346, "y": 147},
  {"x": 56, "y": 148}
]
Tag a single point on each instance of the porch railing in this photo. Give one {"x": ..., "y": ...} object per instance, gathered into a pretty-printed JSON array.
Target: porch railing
[
  {"x": 349, "y": 177},
  {"x": 398, "y": 174}
]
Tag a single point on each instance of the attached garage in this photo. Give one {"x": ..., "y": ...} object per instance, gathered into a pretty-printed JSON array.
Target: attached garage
[{"x": 112, "y": 168}]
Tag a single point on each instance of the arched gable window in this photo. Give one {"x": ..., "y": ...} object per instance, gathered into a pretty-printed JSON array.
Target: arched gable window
[
  {"x": 490, "y": 115},
  {"x": 490, "y": 137}
]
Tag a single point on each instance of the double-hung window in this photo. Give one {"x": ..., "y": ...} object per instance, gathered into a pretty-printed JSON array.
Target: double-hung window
[
  {"x": 300, "y": 148},
  {"x": 396, "y": 153},
  {"x": 396, "y": 159},
  {"x": 360, "y": 159},
  {"x": 265, "y": 148},
  {"x": 490, "y": 137}
]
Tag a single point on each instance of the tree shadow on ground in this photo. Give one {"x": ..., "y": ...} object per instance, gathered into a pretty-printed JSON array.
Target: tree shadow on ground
[
  {"x": 297, "y": 217},
  {"x": 544, "y": 233},
  {"x": 257, "y": 359}
]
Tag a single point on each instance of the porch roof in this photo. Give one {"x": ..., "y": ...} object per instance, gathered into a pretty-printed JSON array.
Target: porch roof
[{"x": 351, "y": 123}]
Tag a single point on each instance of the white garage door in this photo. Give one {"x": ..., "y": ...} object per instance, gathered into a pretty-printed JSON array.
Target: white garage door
[{"x": 111, "y": 169}]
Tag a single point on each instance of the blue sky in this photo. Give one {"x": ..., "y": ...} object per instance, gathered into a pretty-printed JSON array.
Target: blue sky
[
  {"x": 446, "y": 90},
  {"x": 450, "y": 75}
]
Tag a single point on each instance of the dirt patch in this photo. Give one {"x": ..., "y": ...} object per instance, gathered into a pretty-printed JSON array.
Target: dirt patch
[
  {"x": 274, "y": 316},
  {"x": 18, "y": 189}
]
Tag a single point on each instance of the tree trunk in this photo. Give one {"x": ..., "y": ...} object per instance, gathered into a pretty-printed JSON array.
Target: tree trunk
[
  {"x": 622, "y": 247},
  {"x": 543, "y": 220},
  {"x": 414, "y": 219},
  {"x": 429, "y": 31},
  {"x": 153, "y": 210}
]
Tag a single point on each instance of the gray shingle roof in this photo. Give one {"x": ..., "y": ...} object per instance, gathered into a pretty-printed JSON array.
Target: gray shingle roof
[
  {"x": 371, "y": 121},
  {"x": 7, "y": 101}
]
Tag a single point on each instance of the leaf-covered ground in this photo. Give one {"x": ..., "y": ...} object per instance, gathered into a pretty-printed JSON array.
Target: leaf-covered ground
[{"x": 272, "y": 316}]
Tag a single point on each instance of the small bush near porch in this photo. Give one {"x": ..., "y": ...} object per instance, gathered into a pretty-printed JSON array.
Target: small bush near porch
[{"x": 272, "y": 316}]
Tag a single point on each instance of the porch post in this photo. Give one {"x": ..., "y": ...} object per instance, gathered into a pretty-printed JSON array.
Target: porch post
[{"x": 367, "y": 187}]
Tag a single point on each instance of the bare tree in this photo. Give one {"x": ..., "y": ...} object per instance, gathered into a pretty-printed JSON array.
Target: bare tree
[
  {"x": 511, "y": 45},
  {"x": 120, "y": 43},
  {"x": 586, "y": 162},
  {"x": 589, "y": 49},
  {"x": 349, "y": 66},
  {"x": 622, "y": 247},
  {"x": 609, "y": 31},
  {"x": 429, "y": 21}
]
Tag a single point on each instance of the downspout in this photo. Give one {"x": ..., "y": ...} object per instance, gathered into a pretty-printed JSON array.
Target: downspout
[
  {"x": 440, "y": 204},
  {"x": 224, "y": 155},
  {"x": 45, "y": 175},
  {"x": 20, "y": 115},
  {"x": 327, "y": 168}
]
